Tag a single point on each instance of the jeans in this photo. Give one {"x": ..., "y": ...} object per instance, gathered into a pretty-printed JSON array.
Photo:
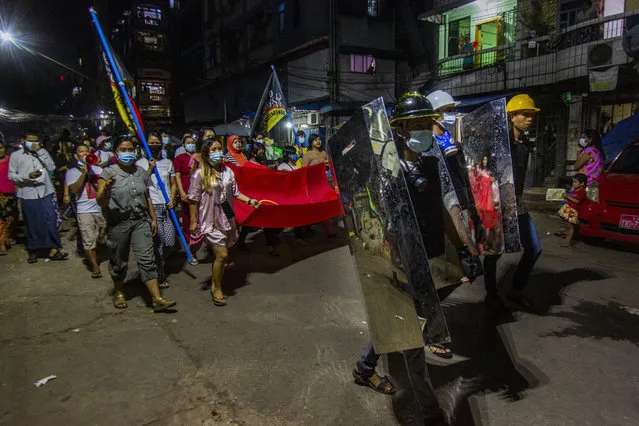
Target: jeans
[{"x": 532, "y": 250}]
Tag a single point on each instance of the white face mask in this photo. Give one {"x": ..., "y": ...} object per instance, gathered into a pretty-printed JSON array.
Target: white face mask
[
  {"x": 420, "y": 140},
  {"x": 583, "y": 143},
  {"x": 450, "y": 118}
]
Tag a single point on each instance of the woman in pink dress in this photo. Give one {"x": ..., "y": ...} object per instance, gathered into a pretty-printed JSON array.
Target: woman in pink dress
[
  {"x": 211, "y": 193},
  {"x": 590, "y": 161}
]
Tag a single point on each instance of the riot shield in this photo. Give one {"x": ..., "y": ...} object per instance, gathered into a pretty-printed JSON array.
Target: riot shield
[
  {"x": 444, "y": 227},
  {"x": 386, "y": 244},
  {"x": 486, "y": 146}
]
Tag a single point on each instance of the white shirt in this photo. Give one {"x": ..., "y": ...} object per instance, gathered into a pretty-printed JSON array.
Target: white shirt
[
  {"x": 104, "y": 156},
  {"x": 166, "y": 169},
  {"x": 21, "y": 163},
  {"x": 285, "y": 167},
  {"x": 180, "y": 150},
  {"x": 85, "y": 204}
]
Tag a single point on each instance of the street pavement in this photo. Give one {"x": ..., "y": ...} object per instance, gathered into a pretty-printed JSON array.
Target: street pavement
[{"x": 282, "y": 351}]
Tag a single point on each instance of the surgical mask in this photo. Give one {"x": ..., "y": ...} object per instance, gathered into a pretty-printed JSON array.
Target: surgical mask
[
  {"x": 300, "y": 140},
  {"x": 165, "y": 140},
  {"x": 583, "y": 143},
  {"x": 165, "y": 154},
  {"x": 450, "y": 118},
  {"x": 259, "y": 140},
  {"x": 420, "y": 140},
  {"x": 216, "y": 157},
  {"x": 108, "y": 146},
  {"x": 29, "y": 145},
  {"x": 126, "y": 158},
  {"x": 190, "y": 147}
]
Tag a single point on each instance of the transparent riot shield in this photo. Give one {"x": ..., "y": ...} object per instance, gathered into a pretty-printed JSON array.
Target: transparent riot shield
[
  {"x": 486, "y": 146},
  {"x": 399, "y": 293},
  {"x": 443, "y": 224}
]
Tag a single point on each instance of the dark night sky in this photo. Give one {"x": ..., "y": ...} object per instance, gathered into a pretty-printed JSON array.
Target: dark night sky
[{"x": 60, "y": 29}]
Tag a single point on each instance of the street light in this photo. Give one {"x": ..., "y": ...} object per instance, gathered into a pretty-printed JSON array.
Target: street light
[{"x": 6, "y": 36}]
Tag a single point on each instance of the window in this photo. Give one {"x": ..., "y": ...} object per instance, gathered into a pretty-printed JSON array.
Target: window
[
  {"x": 628, "y": 162},
  {"x": 151, "y": 40},
  {"x": 149, "y": 15},
  {"x": 362, "y": 63},
  {"x": 373, "y": 8},
  {"x": 281, "y": 10},
  {"x": 153, "y": 88},
  {"x": 459, "y": 36}
]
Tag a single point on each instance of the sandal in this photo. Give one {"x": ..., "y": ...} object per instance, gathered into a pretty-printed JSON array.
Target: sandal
[
  {"x": 219, "y": 301},
  {"x": 59, "y": 256},
  {"x": 162, "y": 305},
  {"x": 441, "y": 351},
  {"x": 383, "y": 386},
  {"x": 119, "y": 301},
  {"x": 164, "y": 285},
  {"x": 96, "y": 275}
]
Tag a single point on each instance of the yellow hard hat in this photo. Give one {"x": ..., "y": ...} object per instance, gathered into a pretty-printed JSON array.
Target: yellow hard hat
[{"x": 521, "y": 103}]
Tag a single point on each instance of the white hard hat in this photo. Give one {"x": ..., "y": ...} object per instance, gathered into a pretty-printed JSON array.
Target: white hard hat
[{"x": 440, "y": 99}]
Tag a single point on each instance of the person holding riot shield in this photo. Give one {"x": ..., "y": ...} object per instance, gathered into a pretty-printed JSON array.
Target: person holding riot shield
[{"x": 521, "y": 110}]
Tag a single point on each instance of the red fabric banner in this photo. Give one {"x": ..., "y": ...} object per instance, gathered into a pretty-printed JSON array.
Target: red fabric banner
[{"x": 288, "y": 199}]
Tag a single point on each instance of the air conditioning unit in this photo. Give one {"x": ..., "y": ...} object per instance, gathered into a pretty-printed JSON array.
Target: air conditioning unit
[
  {"x": 600, "y": 55},
  {"x": 312, "y": 119}
]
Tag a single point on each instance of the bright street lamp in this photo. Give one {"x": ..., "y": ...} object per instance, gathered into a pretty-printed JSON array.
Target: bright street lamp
[{"x": 6, "y": 36}]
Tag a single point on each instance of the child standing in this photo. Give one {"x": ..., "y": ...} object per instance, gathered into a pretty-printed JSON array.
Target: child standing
[{"x": 569, "y": 212}]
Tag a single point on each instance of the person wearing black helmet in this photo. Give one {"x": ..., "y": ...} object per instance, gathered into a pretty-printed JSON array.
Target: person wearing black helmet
[{"x": 412, "y": 122}]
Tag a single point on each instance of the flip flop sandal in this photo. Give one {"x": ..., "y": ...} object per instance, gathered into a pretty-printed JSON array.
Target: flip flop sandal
[
  {"x": 436, "y": 350},
  {"x": 384, "y": 381},
  {"x": 96, "y": 275},
  {"x": 164, "y": 285},
  {"x": 219, "y": 301}
]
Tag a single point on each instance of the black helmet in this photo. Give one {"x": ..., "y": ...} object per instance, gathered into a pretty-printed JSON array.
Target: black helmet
[{"x": 411, "y": 105}]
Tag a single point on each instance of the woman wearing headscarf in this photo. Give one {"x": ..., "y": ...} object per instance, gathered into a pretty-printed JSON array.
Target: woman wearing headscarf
[
  {"x": 234, "y": 153},
  {"x": 211, "y": 194},
  {"x": 590, "y": 160},
  {"x": 123, "y": 191}
]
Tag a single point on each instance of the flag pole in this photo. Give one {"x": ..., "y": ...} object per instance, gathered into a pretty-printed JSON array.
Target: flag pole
[{"x": 138, "y": 127}]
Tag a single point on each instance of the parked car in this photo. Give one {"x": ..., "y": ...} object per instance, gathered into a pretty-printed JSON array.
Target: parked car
[{"x": 613, "y": 210}]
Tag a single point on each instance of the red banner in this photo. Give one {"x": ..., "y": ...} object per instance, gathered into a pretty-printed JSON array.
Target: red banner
[{"x": 288, "y": 199}]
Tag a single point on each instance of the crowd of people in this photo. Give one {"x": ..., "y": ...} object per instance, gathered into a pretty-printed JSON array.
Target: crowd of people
[{"x": 110, "y": 187}]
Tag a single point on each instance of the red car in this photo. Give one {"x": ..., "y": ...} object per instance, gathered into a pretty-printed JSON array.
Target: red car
[{"x": 614, "y": 212}]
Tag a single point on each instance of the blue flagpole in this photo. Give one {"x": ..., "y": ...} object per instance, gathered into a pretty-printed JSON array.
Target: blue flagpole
[{"x": 138, "y": 127}]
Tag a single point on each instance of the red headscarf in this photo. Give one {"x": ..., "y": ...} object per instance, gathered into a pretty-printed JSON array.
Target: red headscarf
[{"x": 237, "y": 155}]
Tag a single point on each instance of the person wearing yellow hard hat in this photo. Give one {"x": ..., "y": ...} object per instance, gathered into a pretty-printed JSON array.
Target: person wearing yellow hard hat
[{"x": 521, "y": 110}]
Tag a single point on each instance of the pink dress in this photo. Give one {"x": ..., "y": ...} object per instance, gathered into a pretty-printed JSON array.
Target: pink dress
[
  {"x": 595, "y": 166},
  {"x": 214, "y": 226}
]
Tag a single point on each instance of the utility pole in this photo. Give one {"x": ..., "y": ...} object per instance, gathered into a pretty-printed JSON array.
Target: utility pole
[{"x": 333, "y": 55}]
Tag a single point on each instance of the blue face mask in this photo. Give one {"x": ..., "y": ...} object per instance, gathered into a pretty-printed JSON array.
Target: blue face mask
[
  {"x": 126, "y": 158},
  {"x": 108, "y": 146},
  {"x": 293, "y": 157},
  {"x": 420, "y": 141},
  {"x": 29, "y": 145},
  {"x": 165, "y": 140},
  {"x": 190, "y": 147},
  {"x": 215, "y": 157}
]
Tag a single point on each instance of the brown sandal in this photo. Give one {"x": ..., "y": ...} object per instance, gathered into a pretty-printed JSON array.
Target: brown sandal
[
  {"x": 383, "y": 386},
  {"x": 119, "y": 301}
]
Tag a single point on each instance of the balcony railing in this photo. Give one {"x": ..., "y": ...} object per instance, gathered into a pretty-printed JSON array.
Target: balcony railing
[
  {"x": 474, "y": 60},
  {"x": 599, "y": 29}
]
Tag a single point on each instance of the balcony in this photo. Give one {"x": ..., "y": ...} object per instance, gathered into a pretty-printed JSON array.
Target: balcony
[{"x": 568, "y": 54}]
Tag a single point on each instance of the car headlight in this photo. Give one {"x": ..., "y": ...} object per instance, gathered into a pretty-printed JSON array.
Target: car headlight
[{"x": 593, "y": 192}]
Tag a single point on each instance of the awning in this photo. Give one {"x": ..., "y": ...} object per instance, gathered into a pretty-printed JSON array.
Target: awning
[{"x": 480, "y": 100}]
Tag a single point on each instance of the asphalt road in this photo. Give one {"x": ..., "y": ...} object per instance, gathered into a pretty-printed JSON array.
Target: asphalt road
[{"x": 282, "y": 351}]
